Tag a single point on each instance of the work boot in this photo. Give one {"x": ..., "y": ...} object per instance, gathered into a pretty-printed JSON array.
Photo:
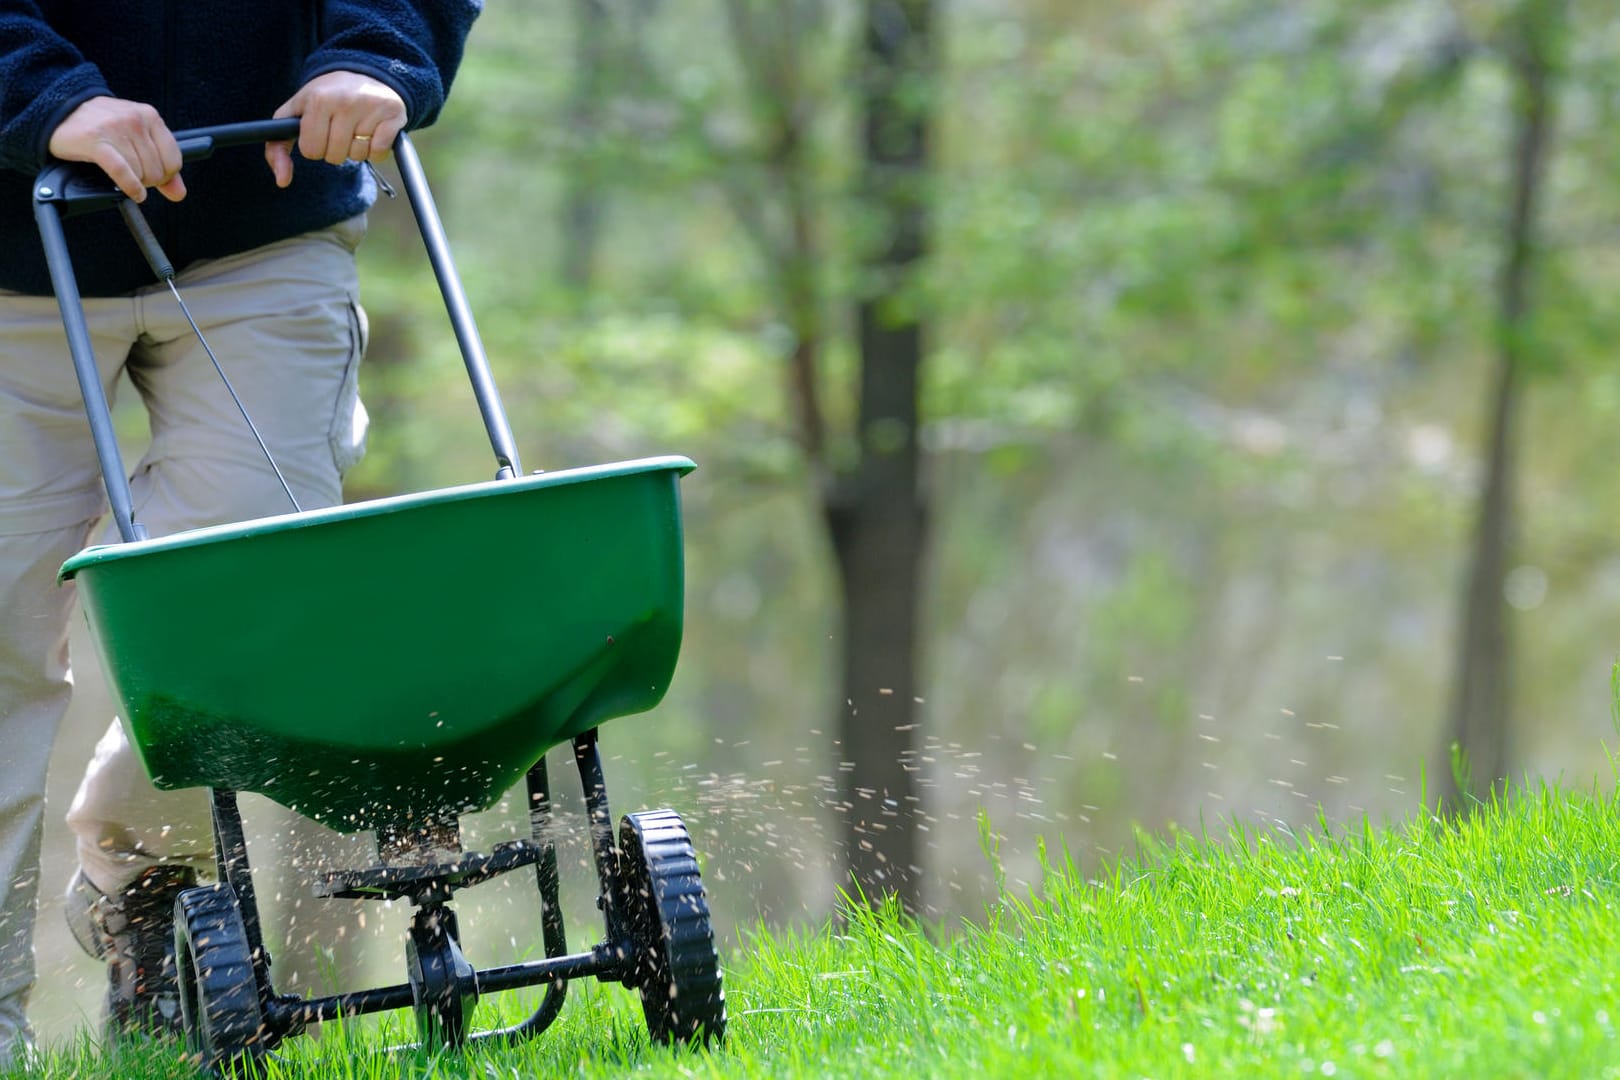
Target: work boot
[{"x": 133, "y": 932}]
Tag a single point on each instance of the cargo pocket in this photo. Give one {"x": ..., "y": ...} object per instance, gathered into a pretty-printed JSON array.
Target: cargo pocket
[{"x": 349, "y": 418}]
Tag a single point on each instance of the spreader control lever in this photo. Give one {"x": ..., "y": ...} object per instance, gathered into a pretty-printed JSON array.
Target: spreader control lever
[{"x": 146, "y": 240}]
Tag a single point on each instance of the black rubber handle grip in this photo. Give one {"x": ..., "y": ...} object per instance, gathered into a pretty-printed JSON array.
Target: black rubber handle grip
[{"x": 196, "y": 143}]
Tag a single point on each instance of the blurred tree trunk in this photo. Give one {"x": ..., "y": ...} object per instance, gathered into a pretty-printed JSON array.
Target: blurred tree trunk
[
  {"x": 875, "y": 511},
  {"x": 1477, "y": 739},
  {"x": 868, "y": 483},
  {"x": 582, "y": 201}
]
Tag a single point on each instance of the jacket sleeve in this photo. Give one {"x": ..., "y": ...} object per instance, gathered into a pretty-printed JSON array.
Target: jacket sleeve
[
  {"x": 412, "y": 45},
  {"x": 43, "y": 78}
]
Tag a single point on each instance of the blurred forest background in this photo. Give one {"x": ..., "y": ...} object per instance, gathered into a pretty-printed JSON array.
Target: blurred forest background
[{"x": 1266, "y": 406}]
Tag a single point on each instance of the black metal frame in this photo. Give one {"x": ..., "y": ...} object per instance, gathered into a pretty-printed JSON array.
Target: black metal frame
[
  {"x": 443, "y": 986},
  {"x": 455, "y": 985}
]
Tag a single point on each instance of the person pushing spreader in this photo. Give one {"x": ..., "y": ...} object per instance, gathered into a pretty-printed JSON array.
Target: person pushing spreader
[{"x": 389, "y": 666}]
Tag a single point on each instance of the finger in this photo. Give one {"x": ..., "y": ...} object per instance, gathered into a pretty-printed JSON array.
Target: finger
[
  {"x": 382, "y": 139},
  {"x": 169, "y": 156},
  {"x": 293, "y": 106},
  {"x": 143, "y": 131},
  {"x": 371, "y": 140},
  {"x": 148, "y": 159},
  {"x": 120, "y": 171},
  {"x": 150, "y": 126},
  {"x": 340, "y": 141},
  {"x": 173, "y": 189},
  {"x": 314, "y": 131},
  {"x": 279, "y": 155}
]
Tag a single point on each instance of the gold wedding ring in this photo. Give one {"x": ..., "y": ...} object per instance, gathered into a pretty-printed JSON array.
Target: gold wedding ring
[{"x": 362, "y": 138}]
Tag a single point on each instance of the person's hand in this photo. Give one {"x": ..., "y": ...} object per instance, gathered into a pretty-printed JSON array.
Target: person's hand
[
  {"x": 345, "y": 116},
  {"x": 128, "y": 140}
]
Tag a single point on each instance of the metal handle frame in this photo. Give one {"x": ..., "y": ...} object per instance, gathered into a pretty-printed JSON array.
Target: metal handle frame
[{"x": 67, "y": 189}]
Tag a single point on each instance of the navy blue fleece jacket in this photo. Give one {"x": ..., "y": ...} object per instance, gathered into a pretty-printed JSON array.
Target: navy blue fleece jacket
[{"x": 202, "y": 62}]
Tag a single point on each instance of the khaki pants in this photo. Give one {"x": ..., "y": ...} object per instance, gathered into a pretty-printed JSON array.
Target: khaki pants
[{"x": 286, "y": 324}]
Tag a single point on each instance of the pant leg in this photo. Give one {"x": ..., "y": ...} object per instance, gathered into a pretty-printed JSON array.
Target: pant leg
[
  {"x": 50, "y": 495},
  {"x": 286, "y": 325}
]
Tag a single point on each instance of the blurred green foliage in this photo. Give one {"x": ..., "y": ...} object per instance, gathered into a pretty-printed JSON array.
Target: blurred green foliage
[{"x": 1210, "y": 315}]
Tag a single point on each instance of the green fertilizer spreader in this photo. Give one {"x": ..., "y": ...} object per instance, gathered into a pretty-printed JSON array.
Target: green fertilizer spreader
[{"x": 389, "y": 666}]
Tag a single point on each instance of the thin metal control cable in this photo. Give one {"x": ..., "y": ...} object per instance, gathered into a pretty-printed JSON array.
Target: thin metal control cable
[
  {"x": 147, "y": 240},
  {"x": 232, "y": 391}
]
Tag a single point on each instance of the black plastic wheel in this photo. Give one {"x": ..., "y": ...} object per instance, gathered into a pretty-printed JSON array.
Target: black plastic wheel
[
  {"x": 444, "y": 989},
  {"x": 219, "y": 999},
  {"x": 676, "y": 967}
]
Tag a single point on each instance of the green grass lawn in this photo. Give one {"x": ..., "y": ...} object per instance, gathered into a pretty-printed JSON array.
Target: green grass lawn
[{"x": 1485, "y": 947}]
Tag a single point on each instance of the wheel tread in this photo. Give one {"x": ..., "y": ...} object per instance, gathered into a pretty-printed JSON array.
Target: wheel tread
[
  {"x": 223, "y": 1019},
  {"x": 679, "y": 978}
]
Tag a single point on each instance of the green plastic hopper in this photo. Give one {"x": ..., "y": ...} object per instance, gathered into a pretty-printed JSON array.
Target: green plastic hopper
[{"x": 385, "y": 662}]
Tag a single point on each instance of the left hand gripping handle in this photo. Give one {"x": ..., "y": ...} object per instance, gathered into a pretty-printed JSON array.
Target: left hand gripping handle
[{"x": 77, "y": 187}]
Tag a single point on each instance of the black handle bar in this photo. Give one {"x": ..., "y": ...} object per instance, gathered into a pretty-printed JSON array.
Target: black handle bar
[
  {"x": 78, "y": 187},
  {"x": 198, "y": 143}
]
